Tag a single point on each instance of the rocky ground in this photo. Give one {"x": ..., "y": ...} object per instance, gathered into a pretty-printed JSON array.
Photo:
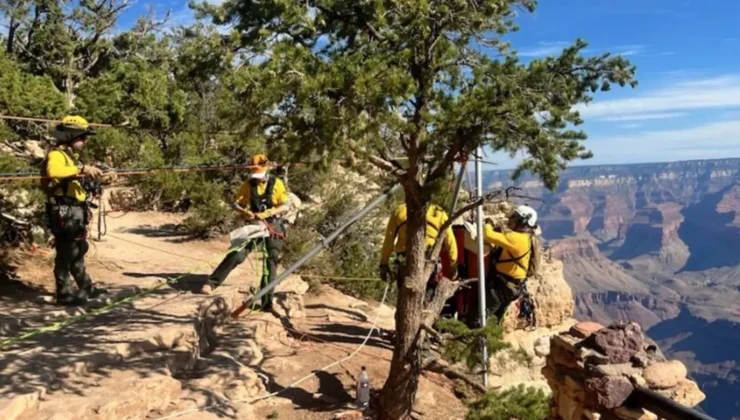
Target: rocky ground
[{"x": 161, "y": 354}]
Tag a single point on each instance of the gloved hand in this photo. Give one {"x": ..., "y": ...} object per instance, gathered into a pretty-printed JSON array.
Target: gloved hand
[
  {"x": 385, "y": 273},
  {"x": 91, "y": 171},
  {"x": 263, "y": 216}
]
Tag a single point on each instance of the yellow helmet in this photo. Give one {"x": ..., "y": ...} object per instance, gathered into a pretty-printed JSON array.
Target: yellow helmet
[
  {"x": 75, "y": 121},
  {"x": 72, "y": 128}
]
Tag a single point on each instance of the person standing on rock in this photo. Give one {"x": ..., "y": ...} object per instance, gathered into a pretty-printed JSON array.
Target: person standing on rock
[
  {"x": 514, "y": 259},
  {"x": 263, "y": 198},
  {"x": 67, "y": 209}
]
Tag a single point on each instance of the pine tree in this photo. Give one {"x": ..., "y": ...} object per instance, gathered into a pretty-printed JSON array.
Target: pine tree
[{"x": 429, "y": 80}]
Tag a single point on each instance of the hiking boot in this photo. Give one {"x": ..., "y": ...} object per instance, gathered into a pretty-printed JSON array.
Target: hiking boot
[
  {"x": 70, "y": 300},
  {"x": 96, "y": 292}
]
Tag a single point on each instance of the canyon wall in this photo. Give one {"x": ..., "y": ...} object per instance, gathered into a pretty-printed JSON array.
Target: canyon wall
[{"x": 656, "y": 244}]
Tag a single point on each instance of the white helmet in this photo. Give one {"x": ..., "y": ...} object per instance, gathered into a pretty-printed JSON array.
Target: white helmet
[{"x": 527, "y": 214}]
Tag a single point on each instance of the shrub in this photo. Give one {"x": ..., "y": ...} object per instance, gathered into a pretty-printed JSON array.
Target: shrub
[
  {"x": 464, "y": 343},
  {"x": 516, "y": 403}
]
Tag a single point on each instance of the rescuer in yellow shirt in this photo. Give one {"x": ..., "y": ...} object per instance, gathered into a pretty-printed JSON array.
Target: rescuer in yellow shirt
[
  {"x": 67, "y": 209},
  {"x": 513, "y": 259},
  {"x": 395, "y": 239},
  {"x": 263, "y": 197}
]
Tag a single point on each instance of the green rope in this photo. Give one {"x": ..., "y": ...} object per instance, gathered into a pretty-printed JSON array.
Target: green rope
[{"x": 72, "y": 320}]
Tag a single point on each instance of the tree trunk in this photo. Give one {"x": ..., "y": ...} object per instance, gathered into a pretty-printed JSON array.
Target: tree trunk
[
  {"x": 11, "y": 35},
  {"x": 397, "y": 396}
]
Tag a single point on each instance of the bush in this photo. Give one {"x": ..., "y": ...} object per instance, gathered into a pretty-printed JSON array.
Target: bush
[
  {"x": 516, "y": 403},
  {"x": 464, "y": 345},
  {"x": 355, "y": 253}
]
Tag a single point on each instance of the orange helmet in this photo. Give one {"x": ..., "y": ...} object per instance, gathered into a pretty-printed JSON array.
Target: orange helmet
[{"x": 258, "y": 168}]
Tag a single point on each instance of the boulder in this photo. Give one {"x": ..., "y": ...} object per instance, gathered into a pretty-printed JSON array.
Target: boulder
[
  {"x": 293, "y": 284},
  {"x": 608, "y": 392},
  {"x": 542, "y": 346},
  {"x": 687, "y": 393},
  {"x": 288, "y": 305},
  {"x": 634, "y": 414},
  {"x": 621, "y": 369},
  {"x": 553, "y": 299},
  {"x": 664, "y": 375},
  {"x": 619, "y": 342},
  {"x": 585, "y": 329}
]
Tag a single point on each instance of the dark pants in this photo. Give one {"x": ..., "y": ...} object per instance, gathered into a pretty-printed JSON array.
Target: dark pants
[
  {"x": 273, "y": 246},
  {"x": 502, "y": 291},
  {"x": 69, "y": 227}
]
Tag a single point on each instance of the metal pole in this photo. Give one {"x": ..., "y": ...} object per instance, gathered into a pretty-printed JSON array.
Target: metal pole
[
  {"x": 663, "y": 406},
  {"x": 313, "y": 252},
  {"x": 481, "y": 262}
]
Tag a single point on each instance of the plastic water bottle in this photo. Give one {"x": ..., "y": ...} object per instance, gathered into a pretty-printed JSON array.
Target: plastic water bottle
[{"x": 363, "y": 389}]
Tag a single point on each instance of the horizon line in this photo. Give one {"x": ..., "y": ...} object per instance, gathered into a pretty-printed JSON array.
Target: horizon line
[{"x": 618, "y": 164}]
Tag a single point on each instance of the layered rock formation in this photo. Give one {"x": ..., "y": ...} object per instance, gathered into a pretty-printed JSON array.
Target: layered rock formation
[
  {"x": 593, "y": 371},
  {"x": 522, "y": 363},
  {"x": 656, "y": 244}
]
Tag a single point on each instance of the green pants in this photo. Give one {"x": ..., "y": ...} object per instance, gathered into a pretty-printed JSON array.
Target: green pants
[
  {"x": 69, "y": 227},
  {"x": 273, "y": 247}
]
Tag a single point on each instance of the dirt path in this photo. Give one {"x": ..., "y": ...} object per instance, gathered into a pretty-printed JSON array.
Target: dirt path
[{"x": 152, "y": 358}]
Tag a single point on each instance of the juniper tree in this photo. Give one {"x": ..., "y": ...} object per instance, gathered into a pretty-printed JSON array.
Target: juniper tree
[{"x": 431, "y": 80}]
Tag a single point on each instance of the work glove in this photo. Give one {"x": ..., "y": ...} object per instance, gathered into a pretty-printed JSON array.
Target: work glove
[
  {"x": 385, "y": 273},
  {"x": 91, "y": 171}
]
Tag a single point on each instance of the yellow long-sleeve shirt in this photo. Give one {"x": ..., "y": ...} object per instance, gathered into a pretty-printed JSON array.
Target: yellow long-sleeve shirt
[
  {"x": 515, "y": 245},
  {"x": 395, "y": 233},
  {"x": 61, "y": 164},
  {"x": 280, "y": 196}
]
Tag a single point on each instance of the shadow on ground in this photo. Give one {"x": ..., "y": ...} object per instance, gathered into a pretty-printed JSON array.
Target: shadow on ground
[
  {"x": 171, "y": 232},
  {"x": 186, "y": 282},
  {"x": 349, "y": 334},
  {"x": 45, "y": 360}
]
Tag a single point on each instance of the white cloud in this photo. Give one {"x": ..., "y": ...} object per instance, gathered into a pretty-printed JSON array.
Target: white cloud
[
  {"x": 718, "y": 92},
  {"x": 707, "y": 141},
  {"x": 544, "y": 49},
  {"x": 645, "y": 117},
  {"x": 627, "y": 50},
  {"x": 631, "y": 126}
]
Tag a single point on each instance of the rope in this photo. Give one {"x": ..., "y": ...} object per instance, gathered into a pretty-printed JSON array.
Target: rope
[
  {"x": 20, "y": 176},
  {"x": 119, "y": 126},
  {"x": 72, "y": 320},
  {"x": 299, "y": 381},
  {"x": 315, "y": 276}
]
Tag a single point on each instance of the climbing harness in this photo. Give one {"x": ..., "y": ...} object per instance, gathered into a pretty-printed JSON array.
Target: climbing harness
[{"x": 527, "y": 307}]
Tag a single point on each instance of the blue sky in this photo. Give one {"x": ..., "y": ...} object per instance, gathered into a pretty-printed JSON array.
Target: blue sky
[{"x": 687, "y": 52}]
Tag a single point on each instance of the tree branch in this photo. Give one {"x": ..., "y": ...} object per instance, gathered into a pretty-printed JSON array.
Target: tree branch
[
  {"x": 434, "y": 252},
  {"x": 380, "y": 163},
  {"x": 441, "y": 367}
]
